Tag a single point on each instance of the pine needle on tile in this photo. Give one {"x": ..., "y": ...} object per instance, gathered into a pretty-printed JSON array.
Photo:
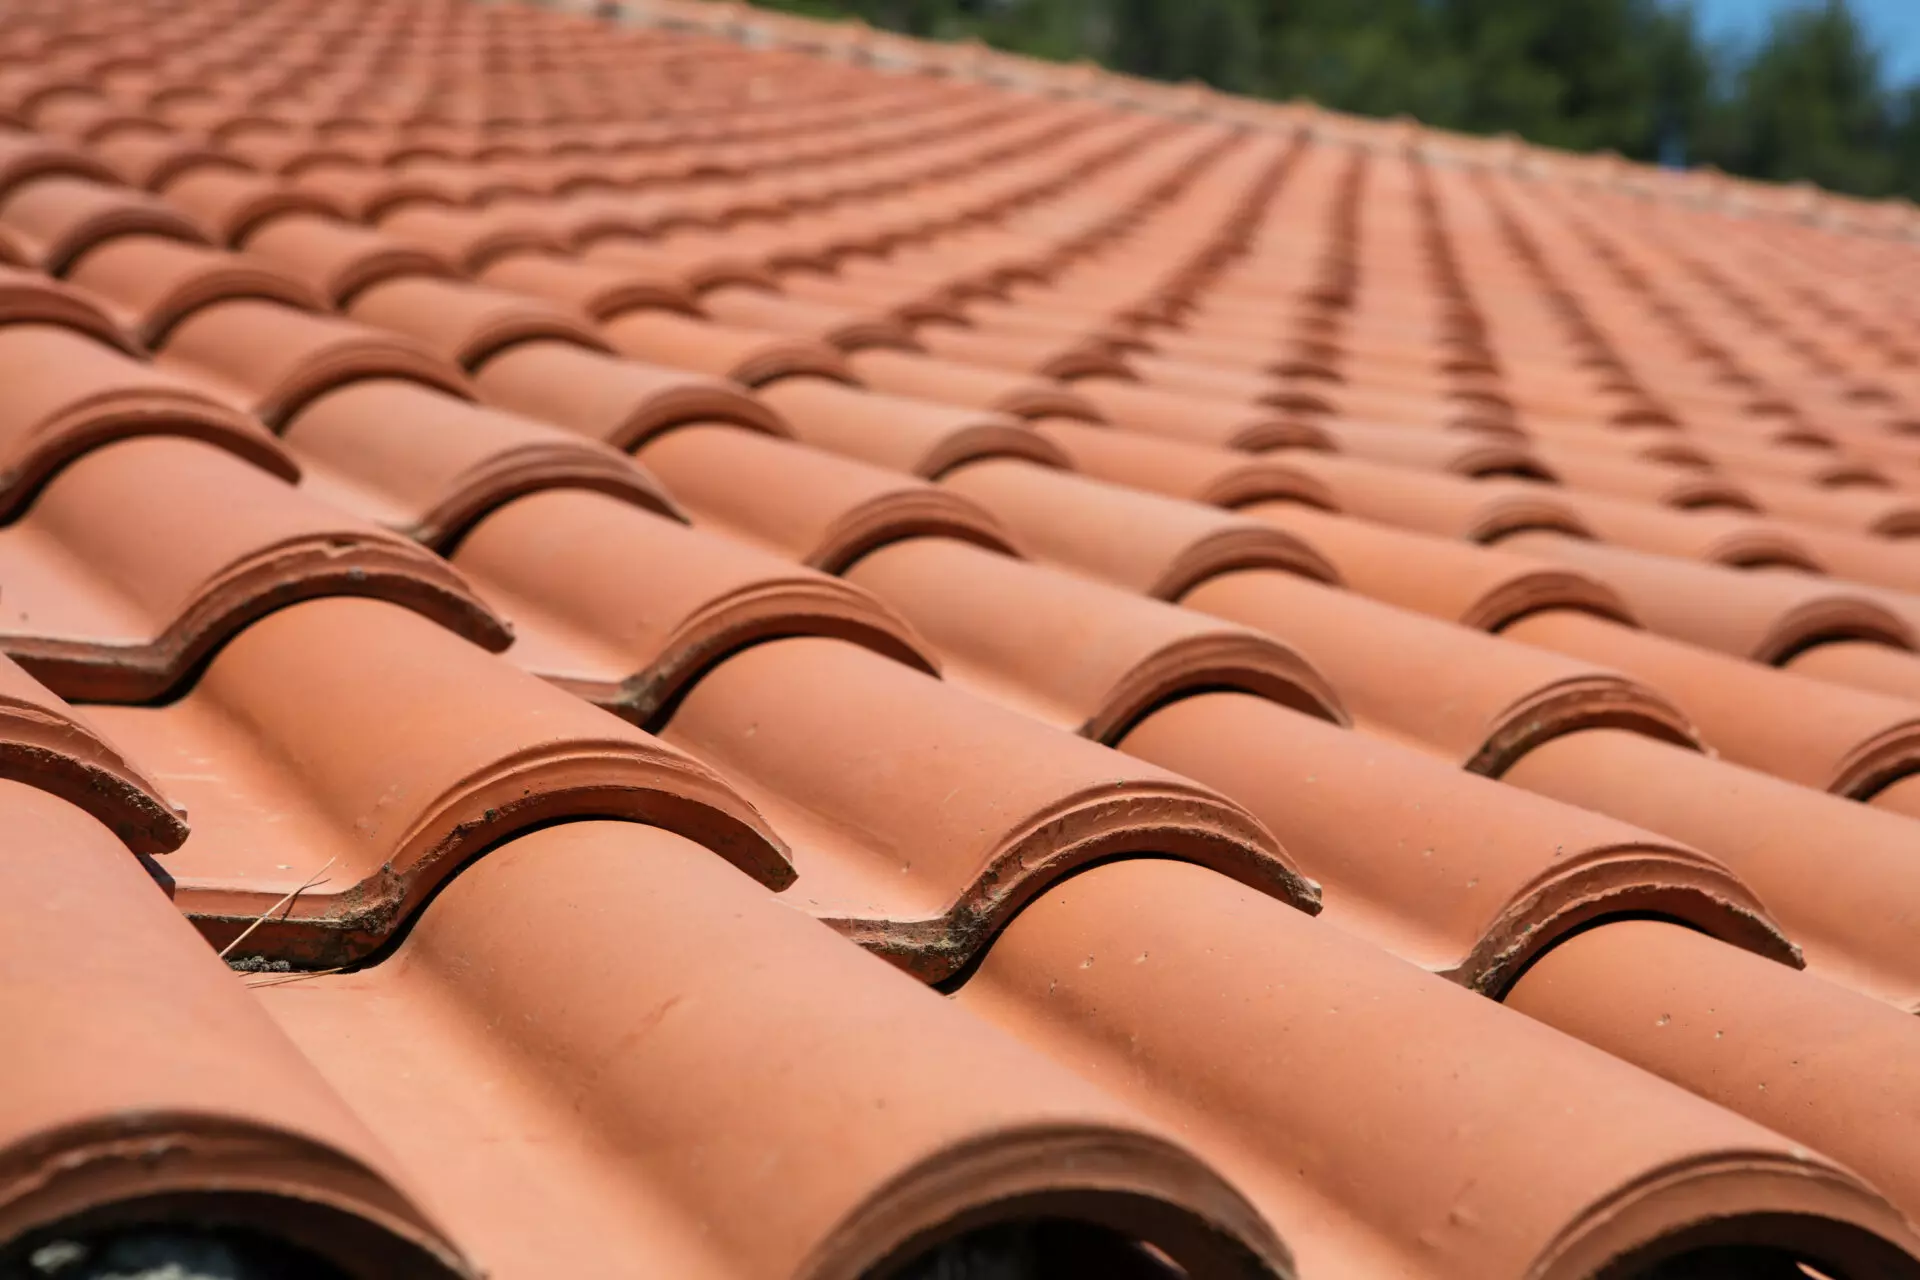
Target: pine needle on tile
[{"x": 315, "y": 879}]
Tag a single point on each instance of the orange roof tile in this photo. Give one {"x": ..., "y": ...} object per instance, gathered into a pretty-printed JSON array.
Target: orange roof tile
[{"x": 540, "y": 539}]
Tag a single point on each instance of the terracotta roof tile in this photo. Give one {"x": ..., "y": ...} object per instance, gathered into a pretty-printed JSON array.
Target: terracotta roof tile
[
  {"x": 846, "y": 329},
  {"x": 1814, "y": 1083},
  {"x": 336, "y": 260},
  {"x": 803, "y": 504},
  {"x": 1177, "y": 1033},
  {"x": 271, "y": 360},
  {"x": 978, "y": 1124},
  {"x": 1158, "y": 547},
  {"x": 1487, "y": 702},
  {"x": 383, "y": 826},
  {"x": 1767, "y": 617},
  {"x": 429, "y": 466},
  {"x": 1662, "y": 484},
  {"x": 1857, "y": 742},
  {"x": 1462, "y": 453},
  {"x": 1351, "y": 458},
  {"x": 923, "y": 437},
  {"x": 623, "y": 402},
  {"x": 1852, "y": 510},
  {"x": 464, "y": 323},
  {"x": 155, "y": 282},
  {"x": 152, "y": 159},
  {"x": 926, "y": 884},
  {"x": 68, "y": 395},
  {"x": 602, "y": 291},
  {"x": 229, "y": 203},
  {"x": 27, "y": 297},
  {"x": 969, "y": 386},
  {"x": 1481, "y": 880},
  {"x": 559, "y": 565},
  {"x": 142, "y": 557},
  {"x": 364, "y": 194},
  {"x": 748, "y": 356},
  {"x": 234, "y": 1104},
  {"x": 1850, "y": 920},
  {"x": 58, "y": 218},
  {"x": 1477, "y": 510},
  {"x": 1866, "y": 664},
  {"x": 25, "y": 157},
  {"x": 1198, "y": 473},
  {"x": 47, "y": 744},
  {"x": 1074, "y": 653},
  {"x": 1723, "y": 537},
  {"x": 1486, "y": 589}
]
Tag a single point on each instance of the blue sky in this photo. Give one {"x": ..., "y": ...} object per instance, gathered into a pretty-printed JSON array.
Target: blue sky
[{"x": 1894, "y": 24}]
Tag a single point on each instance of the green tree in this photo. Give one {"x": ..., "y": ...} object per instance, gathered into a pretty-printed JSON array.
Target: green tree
[
  {"x": 1633, "y": 76},
  {"x": 1811, "y": 105}
]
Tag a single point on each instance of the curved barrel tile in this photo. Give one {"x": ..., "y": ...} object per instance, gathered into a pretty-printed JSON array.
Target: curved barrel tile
[
  {"x": 1818, "y": 1063},
  {"x": 1806, "y": 730},
  {"x": 58, "y": 218},
  {"x": 1218, "y": 1010},
  {"x": 1446, "y": 506},
  {"x": 1732, "y": 538},
  {"x": 334, "y": 259},
  {"x": 228, "y": 203},
  {"x": 140, "y": 559},
  {"x": 923, "y": 817},
  {"x": 155, "y": 282},
  {"x": 650, "y": 988},
  {"x": 46, "y": 744},
  {"x": 1198, "y": 473},
  {"x": 1852, "y": 916},
  {"x": 1480, "y": 701},
  {"x": 1460, "y": 453},
  {"x": 596, "y": 289},
  {"x": 254, "y": 1140},
  {"x": 1073, "y": 653},
  {"x": 1195, "y": 420},
  {"x": 915, "y": 436},
  {"x": 1764, "y": 617},
  {"x": 287, "y": 784},
  {"x": 464, "y": 323},
  {"x": 67, "y": 396},
  {"x": 751, "y": 357},
  {"x": 1480, "y": 587},
  {"x": 428, "y": 466},
  {"x": 629, "y": 609},
  {"x": 920, "y": 377},
  {"x": 271, "y": 360},
  {"x": 471, "y": 237},
  {"x": 1160, "y": 547},
  {"x": 27, "y": 297},
  {"x": 843, "y": 328},
  {"x": 623, "y": 402},
  {"x": 803, "y": 504},
  {"x": 1465, "y": 877}
]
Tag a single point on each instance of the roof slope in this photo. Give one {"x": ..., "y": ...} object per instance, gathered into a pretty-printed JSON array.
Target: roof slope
[{"x": 734, "y": 648}]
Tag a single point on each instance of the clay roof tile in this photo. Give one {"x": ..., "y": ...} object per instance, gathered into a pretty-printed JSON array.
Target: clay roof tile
[
  {"x": 393, "y": 814},
  {"x": 59, "y": 218},
  {"x": 560, "y": 565},
  {"x": 218, "y": 1086},
  {"x": 270, "y": 360},
  {"x": 467, "y": 324},
  {"x": 810, "y": 506},
  {"x": 156, "y": 282},
  {"x": 132, "y": 624}
]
